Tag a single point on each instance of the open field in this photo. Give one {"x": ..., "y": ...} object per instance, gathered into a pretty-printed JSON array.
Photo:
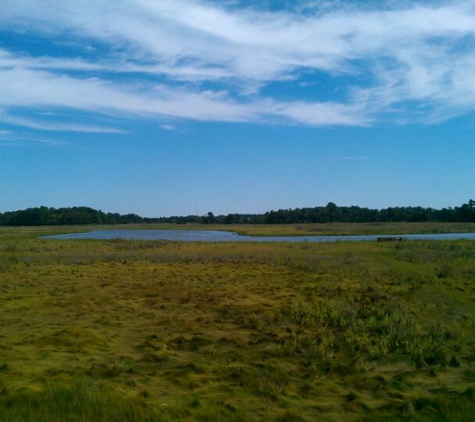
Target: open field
[{"x": 164, "y": 331}]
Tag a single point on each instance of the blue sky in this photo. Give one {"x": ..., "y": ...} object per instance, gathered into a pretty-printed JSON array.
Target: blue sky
[{"x": 177, "y": 107}]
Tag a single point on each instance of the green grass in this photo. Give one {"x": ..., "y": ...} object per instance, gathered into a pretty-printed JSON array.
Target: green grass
[{"x": 163, "y": 331}]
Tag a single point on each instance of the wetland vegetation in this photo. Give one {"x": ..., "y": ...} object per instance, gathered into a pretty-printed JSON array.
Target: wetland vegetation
[{"x": 162, "y": 331}]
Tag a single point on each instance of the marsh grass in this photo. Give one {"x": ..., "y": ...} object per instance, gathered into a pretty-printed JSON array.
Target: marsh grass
[
  {"x": 132, "y": 331},
  {"x": 80, "y": 402}
]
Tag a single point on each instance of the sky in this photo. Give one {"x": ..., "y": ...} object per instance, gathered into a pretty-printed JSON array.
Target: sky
[{"x": 179, "y": 107}]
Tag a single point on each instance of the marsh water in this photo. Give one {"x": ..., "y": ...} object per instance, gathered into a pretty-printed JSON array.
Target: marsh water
[{"x": 224, "y": 236}]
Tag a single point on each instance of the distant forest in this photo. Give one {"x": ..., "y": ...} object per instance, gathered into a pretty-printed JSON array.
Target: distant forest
[{"x": 44, "y": 216}]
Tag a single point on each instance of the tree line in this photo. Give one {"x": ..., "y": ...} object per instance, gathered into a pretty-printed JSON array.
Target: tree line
[
  {"x": 44, "y": 216},
  {"x": 354, "y": 214}
]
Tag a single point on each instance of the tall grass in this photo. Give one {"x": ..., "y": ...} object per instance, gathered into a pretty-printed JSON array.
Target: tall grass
[{"x": 131, "y": 331}]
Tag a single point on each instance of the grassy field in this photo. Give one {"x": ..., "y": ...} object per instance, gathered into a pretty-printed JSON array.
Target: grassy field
[
  {"x": 163, "y": 331},
  {"x": 342, "y": 229}
]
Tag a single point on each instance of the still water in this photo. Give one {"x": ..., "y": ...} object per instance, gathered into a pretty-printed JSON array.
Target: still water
[{"x": 223, "y": 236}]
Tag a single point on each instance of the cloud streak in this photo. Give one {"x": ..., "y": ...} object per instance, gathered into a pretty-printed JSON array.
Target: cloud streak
[
  {"x": 202, "y": 60},
  {"x": 11, "y": 139},
  {"x": 54, "y": 126}
]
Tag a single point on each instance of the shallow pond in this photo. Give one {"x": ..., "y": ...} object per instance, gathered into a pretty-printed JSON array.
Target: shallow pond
[{"x": 223, "y": 236}]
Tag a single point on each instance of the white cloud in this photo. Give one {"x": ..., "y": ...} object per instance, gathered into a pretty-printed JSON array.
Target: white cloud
[
  {"x": 320, "y": 114},
  {"x": 54, "y": 125},
  {"x": 206, "y": 60},
  {"x": 32, "y": 88},
  {"x": 11, "y": 139},
  {"x": 168, "y": 127}
]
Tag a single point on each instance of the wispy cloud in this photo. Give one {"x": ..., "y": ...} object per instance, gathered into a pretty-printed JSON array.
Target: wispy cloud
[
  {"x": 11, "y": 139},
  {"x": 53, "y": 125},
  {"x": 208, "y": 60},
  {"x": 168, "y": 127}
]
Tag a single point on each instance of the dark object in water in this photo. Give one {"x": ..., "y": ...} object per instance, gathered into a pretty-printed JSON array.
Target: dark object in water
[{"x": 389, "y": 239}]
